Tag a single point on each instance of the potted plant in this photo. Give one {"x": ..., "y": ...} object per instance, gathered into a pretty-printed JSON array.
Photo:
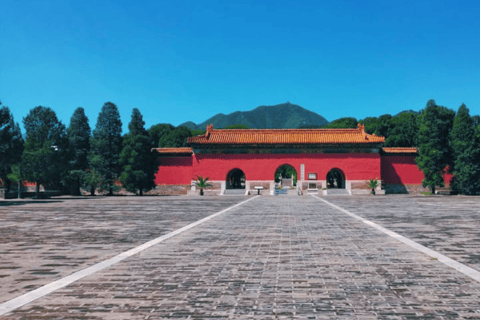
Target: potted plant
[
  {"x": 372, "y": 183},
  {"x": 202, "y": 183}
]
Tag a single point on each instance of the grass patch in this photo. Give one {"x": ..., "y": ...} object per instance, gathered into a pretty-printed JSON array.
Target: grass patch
[{"x": 426, "y": 193}]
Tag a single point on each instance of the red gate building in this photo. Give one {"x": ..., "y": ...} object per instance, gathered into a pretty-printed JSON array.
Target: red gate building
[{"x": 321, "y": 158}]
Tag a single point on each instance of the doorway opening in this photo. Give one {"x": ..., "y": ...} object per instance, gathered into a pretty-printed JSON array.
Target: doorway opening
[
  {"x": 286, "y": 176},
  {"x": 236, "y": 179},
  {"x": 335, "y": 179}
]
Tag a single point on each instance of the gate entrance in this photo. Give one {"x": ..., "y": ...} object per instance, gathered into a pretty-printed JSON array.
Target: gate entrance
[
  {"x": 286, "y": 176},
  {"x": 335, "y": 179},
  {"x": 235, "y": 179}
]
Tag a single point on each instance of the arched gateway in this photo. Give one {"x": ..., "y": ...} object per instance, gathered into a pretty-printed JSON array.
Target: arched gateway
[
  {"x": 235, "y": 179},
  {"x": 286, "y": 176},
  {"x": 224, "y": 156},
  {"x": 335, "y": 179}
]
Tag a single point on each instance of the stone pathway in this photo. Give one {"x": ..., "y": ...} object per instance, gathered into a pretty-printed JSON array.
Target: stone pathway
[
  {"x": 447, "y": 224},
  {"x": 42, "y": 241},
  {"x": 270, "y": 258}
]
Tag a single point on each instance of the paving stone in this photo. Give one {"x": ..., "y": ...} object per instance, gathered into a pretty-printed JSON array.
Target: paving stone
[
  {"x": 45, "y": 240},
  {"x": 272, "y": 258}
]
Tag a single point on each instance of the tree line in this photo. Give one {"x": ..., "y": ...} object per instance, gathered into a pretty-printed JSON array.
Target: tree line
[
  {"x": 77, "y": 157},
  {"x": 448, "y": 141},
  {"x": 70, "y": 158}
]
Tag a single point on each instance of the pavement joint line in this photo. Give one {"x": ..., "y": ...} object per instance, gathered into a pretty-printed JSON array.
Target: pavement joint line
[
  {"x": 31, "y": 296},
  {"x": 466, "y": 270}
]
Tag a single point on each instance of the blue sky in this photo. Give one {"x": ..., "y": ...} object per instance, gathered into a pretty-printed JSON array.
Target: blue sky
[{"x": 189, "y": 60}]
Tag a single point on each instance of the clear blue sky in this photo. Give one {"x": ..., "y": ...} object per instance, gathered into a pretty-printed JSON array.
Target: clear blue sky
[{"x": 189, "y": 60}]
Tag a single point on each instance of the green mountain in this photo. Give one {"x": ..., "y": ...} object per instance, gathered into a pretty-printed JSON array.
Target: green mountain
[{"x": 280, "y": 116}]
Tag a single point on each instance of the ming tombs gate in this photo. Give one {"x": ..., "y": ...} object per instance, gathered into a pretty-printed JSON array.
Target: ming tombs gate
[{"x": 322, "y": 158}]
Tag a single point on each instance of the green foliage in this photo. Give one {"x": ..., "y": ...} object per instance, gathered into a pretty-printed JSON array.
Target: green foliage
[
  {"x": 16, "y": 173},
  {"x": 465, "y": 145},
  {"x": 160, "y": 130},
  {"x": 44, "y": 159},
  {"x": 202, "y": 183},
  {"x": 286, "y": 171},
  {"x": 347, "y": 122},
  {"x": 79, "y": 135},
  {"x": 379, "y": 126},
  {"x": 11, "y": 144},
  {"x": 91, "y": 180},
  {"x": 197, "y": 132},
  {"x": 139, "y": 164},
  {"x": 372, "y": 184},
  {"x": 434, "y": 125},
  {"x": 476, "y": 121},
  {"x": 236, "y": 126},
  {"x": 176, "y": 138},
  {"x": 106, "y": 145},
  {"x": 402, "y": 130}
]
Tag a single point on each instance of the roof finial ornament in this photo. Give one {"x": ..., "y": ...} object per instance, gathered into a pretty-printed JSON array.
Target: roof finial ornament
[
  {"x": 361, "y": 127},
  {"x": 209, "y": 130}
]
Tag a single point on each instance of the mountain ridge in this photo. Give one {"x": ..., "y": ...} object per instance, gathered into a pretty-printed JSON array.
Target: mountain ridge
[{"x": 280, "y": 116}]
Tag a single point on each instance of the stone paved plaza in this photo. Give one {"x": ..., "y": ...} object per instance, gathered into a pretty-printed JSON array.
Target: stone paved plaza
[{"x": 268, "y": 258}]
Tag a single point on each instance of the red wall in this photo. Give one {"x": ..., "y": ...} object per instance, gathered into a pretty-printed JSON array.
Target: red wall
[
  {"x": 263, "y": 166},
  {"x": 174, "y": 171},
  {"x": 400, "y": 169},
  {"x": 392, "y": 169}
]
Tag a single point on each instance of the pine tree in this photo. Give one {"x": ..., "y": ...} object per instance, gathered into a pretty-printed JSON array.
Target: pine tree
[
  {"x": 466, "y": 152},
  {"x": 139, "y": 163},
  {"x": 44, "y": 158},
  {"x": 106, "y": 145},
  {"x": 434, "y": 125},
  {"x": 11, "y": 144},
  {"x": 79, "y": 146}
]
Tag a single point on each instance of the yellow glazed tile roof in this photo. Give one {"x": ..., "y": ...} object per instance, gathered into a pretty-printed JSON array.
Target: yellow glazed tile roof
[
  {"x": 400, "y": 150},
  {"x": 173, "y": 150},
  {"x": 285, "y": 136}
]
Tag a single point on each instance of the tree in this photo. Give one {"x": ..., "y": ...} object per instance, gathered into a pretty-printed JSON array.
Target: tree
[
  {"x": 342, "y": 123},
  {"x": 379, "y": 126},
  {"x": 176, "y": 138},
  {"x": 159, "y": 130},
  {"x": 44, "y": 158},
  {"x": 106, "y": 145},
  {"x": 79, "y": 146},
  {"x": 197, "y": 132},
  {"x": 202, "y": 183},
  {"x": 434, "y": 155},
  {"x": 402, "y": 130},
  {"x": 92, "y": 179},
  {"x": 287, "y": 172},
  {"x": 16, "y": 175},
  {"x": 466, "y": 153},
  {"x": 11, "y": 144},
  {"x": 139, "y": 164},
  {"x": 372, "y": 184}
]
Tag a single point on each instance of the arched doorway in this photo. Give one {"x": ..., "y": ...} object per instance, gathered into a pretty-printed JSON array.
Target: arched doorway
[
  {"x": 335, "y": 179},
  {"x": 286, "y": 176},
  {"x": 236, "y": 179}
]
